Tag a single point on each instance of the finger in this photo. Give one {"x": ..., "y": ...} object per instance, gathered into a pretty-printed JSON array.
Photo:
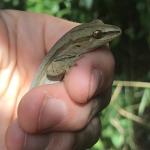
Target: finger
[
  {"x": 19, "y": 140},
  {"x": 91, "y": 75},
  {"x": 55, "y": 114},
  {"x": 76, "y": 140},
  {"x": 99, "y": 103},
  {"x": 89, "y": 136},
  {"x": 50, "y": 108},
  {"x": 14, "y": 137}
]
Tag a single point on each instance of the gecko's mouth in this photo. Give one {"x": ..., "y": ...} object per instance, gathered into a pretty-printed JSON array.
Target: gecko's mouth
[
  {"x": 108, "y": 36},
  {"x": 112, "y": 33}
]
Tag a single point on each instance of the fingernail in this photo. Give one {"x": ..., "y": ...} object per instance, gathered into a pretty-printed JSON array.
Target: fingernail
[
  {"x": 96, "y": 82},
  {"x": 52, "y": 113}
]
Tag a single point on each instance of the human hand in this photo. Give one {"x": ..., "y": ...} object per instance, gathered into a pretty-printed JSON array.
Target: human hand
[{"x": 48, "y": 116}]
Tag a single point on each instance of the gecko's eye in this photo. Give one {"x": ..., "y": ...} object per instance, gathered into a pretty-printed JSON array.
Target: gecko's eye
[{"x": 97, "y": 34}]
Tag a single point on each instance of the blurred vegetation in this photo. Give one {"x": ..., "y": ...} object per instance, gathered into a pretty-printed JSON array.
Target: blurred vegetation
[
  {"x": 126, "y": 121},
  {"x": 13, "y": 4}
]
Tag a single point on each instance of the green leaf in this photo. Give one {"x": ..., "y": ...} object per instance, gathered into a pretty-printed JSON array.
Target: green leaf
[{"x": 118, "y": 140}]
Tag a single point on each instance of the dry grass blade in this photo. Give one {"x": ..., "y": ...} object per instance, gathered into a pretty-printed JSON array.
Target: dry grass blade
[{"x": 132, "y": 84}]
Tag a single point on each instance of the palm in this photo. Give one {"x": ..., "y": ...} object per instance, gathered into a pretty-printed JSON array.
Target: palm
[{"x": 22, "y": 49}]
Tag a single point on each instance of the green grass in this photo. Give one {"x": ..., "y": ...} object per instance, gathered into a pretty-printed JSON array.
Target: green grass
[{"x": 126, "y": 117}]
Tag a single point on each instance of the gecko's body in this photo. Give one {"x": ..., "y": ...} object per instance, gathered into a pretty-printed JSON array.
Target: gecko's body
[{"x": 71, "y": 46}]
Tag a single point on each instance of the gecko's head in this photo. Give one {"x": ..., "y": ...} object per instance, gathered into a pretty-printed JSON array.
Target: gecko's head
[
  {"x": 96, "y": 32},
  {"x": 106, "y": 32}
]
